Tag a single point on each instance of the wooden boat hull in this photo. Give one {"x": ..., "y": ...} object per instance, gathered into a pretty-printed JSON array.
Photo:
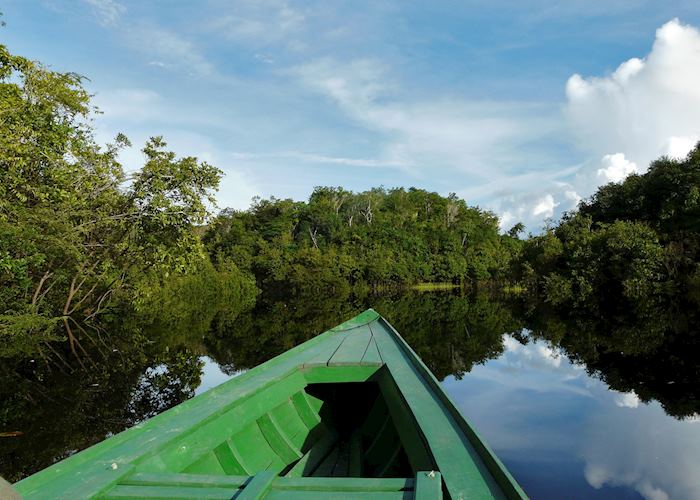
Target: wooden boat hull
[{"x": 351, "y": 413}]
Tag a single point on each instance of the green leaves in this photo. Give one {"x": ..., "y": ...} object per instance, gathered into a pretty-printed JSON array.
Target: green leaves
[
  {"x": 378, "y": 237},
  {"x": 77, "y": 237}
]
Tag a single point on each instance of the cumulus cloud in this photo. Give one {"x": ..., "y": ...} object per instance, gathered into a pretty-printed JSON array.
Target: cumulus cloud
[
  {"x": 535, "y": 354},
  {"x": 615, "y": 168},
  {"x": 647, "y": 107},
  {"x": 545, "y": 206}
]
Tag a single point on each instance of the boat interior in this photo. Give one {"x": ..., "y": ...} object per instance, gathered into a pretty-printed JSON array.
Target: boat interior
[{"x": 327, "y": 429}]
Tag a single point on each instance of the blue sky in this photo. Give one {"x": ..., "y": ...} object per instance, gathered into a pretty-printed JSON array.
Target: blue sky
[{"x": 448, "y": 96}]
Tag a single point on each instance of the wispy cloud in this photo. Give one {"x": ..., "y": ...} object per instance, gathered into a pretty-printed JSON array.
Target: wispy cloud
[
  {"x": 323, "y": 159},
  {"x": 261, "y": 23},
  {"x": 475, "y": 137},
  {"x": 108, "y": 12}
]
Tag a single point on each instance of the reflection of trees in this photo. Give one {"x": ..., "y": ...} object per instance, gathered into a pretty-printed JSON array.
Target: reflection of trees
[
  {"x": 274, "y": 327},
  {"x": 144, "y": 369},
  {"x": 450, "y": 332},
  {"x": 653, "y": 351},
  {"x": 60, "y": 409}
]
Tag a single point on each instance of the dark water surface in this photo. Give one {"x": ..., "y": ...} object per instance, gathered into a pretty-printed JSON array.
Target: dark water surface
[{"x": 574, "y": 409}]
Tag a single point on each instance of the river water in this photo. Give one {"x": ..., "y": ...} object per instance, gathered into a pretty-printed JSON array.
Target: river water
[{"x": 572, "y": 411}]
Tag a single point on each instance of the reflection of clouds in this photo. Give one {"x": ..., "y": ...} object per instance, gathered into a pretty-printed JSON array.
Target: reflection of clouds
[
  {"x": 692, "y": 419},
  {"x": 655, "y": 454},
  {"x": 544, "y": 416},
  {"x": 212, "y": 375},
  {"x": 531, "y": 354},
  {"x": 626, "y": 399},
  {"x": 598, "y": 476},
  {"x": 534, "y": 366}
]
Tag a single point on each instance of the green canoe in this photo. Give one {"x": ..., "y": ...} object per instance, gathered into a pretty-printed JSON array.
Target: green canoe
[{"x": 352, "y": 413}]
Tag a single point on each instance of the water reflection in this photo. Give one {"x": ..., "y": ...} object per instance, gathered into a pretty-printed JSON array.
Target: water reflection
[
  {"x": 565, "y": 434},
  {"x": 574, "y": 408}
]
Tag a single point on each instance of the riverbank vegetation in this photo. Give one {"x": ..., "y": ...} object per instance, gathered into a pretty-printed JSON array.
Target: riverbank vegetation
[
  {"x": 82, "y": 241},
  {"x": 85, "y": 244},
  {"x": 631, "y": 246},
  {"x": 115, "y": 283},
  {"x": 377, "y": 239}
]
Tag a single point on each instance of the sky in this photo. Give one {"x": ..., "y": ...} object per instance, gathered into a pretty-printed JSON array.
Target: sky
[{"x": 519, "y": 107}]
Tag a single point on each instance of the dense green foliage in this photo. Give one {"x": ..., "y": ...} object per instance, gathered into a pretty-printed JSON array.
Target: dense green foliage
[
  {"x": 632, "y": 243},
  {"x": 381, "y": 238},
  {"x": 112, "y": 286},
  {"x": 81, "y": 241}
]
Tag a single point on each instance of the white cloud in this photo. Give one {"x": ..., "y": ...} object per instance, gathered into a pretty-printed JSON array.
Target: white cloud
[
  {"x": 108, "y": 12},
  {"x": 166, "y": 49},
  {"x": 480, "y": 138},
  {"x": 661, "y": 465},
  {"x": 531, "y": 208},
  {"x": 615, "y": 168},
  {"x": 678, "y": 147},
  {"x": 573, "y": 197},
  {"x": 544, "y": 207},
  {"x": 647, "y": 107},
  {"x": 262, "y": 22},
  {"x": 627, "y": 400},
  {"x": 534, "y": 354}
]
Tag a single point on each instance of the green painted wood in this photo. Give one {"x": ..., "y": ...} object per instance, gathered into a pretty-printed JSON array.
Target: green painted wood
[
  {"x": 409, "y": 432},
  {"x": 353, "y": 348},
  {"x": 462, "y": 466},
  {"x": 257, "y": 487},
  {"x": 390, "y": 462},
  {"x": 428, "y": 486},
  {"x": 146, "y": 440},
  {"x": 291, "y": 424},
  {"x": 375, "y": 419},
  {"x": 510, "y": 487},
  {"x": 345, "y": 495},
  {"x": 128, "y": 492},
  {"x": 230, "y": 463},
  {"x": 372, "y": 356},
  {"x": 240, "y": 458},
  {"x": 330, "y": 374},
  {"x": 383, "y": 441},
  {"x": 217, "y": 433},
  {"x": 316, "y": 454},
  {"x": 206, "y": 464},
  {"x": 344, "y": 484},
  {"x": 278, "y": 440},
  {"x": 184, "y": 480},
  {"x": 309, "y": 416},
  {"x": 323, "y": 355},
  {"x": 355, "y": 459},
  {"x": 252, "y": 444},
  {"x": 202, "y": 437},
  {"x": 325, "y": 468}
]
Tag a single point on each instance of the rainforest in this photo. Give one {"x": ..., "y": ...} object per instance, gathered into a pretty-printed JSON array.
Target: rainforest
[{"x": 117, "y": 287}]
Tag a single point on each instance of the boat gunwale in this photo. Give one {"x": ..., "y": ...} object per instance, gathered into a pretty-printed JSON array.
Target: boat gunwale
[
  {"x": 32, "y": 483},
  {"x": 500, "y": 473},
  {"x": 163, "y": 435}
]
